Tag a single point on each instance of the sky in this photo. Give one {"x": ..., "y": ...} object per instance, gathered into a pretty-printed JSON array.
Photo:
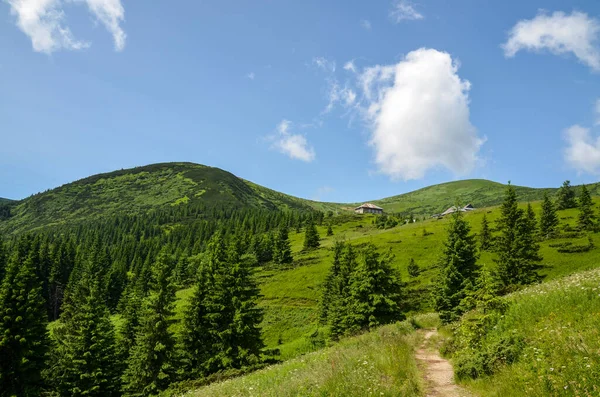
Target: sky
[{"x": 338, "y": 100}]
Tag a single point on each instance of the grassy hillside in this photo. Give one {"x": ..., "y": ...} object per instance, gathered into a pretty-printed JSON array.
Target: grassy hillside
[
  {"x": 380, "y": 363},
  {"x": 479, "y": 192},
  {"x": 555, "y": 329},
  {"x": 142, "y": 189}
]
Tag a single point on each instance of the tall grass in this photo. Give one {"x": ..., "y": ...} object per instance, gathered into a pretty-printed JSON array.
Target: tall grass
[
  {"x": 559, "y": 325},
  {"x": 379, "y": 363}
]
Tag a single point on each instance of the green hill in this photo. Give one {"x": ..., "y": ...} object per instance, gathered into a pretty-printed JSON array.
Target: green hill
[
  {"x": 5, "y": 201},
  {"x": 142, "y": 189}
]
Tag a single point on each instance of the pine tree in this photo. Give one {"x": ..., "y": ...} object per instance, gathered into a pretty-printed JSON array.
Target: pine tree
[
  {"x": 84, "y": 360},
  {"x": 282, "y": 251},
  {"x": 485, "y": 236},
  {"x": 311, "y": 237},
  {"x": 548, "y": 218},
  {"x": 459, "y": 269},
  {"x": 586, "y": 219},
  {"x": 413, "y": 268},
  {"x": 151, "y": 366},
  {"x": 375, "y": 292},
  {"x": 518, "y": 253},
  {"x": 23, "y": 330},
  {"x": 329, "y": 230},
  {"x": 566, "y": 197}
]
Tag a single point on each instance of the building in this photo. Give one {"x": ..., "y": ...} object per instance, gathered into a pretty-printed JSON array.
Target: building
[
  {"x": 453, "y": 209},
  {"x": 368, "y": 208}
]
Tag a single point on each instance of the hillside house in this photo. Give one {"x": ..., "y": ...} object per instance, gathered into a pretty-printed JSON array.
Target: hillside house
[
  {"x": 453, "y": 209},
  {"x": 368, "y": 208}
]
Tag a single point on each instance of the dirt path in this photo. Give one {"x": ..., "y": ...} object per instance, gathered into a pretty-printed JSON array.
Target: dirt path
[{"x": 439, "y": 376}]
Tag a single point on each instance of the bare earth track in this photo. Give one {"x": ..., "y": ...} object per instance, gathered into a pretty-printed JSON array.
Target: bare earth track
[{"x": 438, "y": 372}]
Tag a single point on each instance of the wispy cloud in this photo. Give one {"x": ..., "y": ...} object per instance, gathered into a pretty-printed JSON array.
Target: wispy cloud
[
  {"x": 294, "y": 146},
  {"x": 350, "y": 66},
  {"x": 324, "y": 63},
  {"x": 44, "y": 22},
  {"x": 597, "y": 111},
  {"x": 404, "y": 10},
  {"x": 322, "y": 192},
  {"x": 365, "y": 24},
  {"x": 558, "y": 33},
  {"x": 251, "y": 75}
]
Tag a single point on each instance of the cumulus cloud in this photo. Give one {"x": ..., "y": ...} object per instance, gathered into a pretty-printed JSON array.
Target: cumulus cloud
[
  {"x": 558, "y": 33},
  {"x": 294, "y": 146},
  {"x": 403, "y": 10},
  {"x": 44, "y": 22},
  {"x": 366, "y": 24},
  {"x": 418, "y": 111},
  {"x": 583, "y": 150}
]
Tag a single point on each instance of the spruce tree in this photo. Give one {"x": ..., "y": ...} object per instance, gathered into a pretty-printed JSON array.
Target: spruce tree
[
  {"x": 329, "y": 230},
  {"x": 565, "y": 198},
  {"x": 282, "y": 251},
  {"x": 531, "y": 220},
  {"x": 413, "y": 268},
  {"x": 586, "y": 219},
  {"x": 485, "y": 236},
  {"x": 23, "y": 330},
  {"x": 548, "y": 218},
  {"x": 151, "y": 366},
  {"x": 311, "y": 237},
  {"x": 458, "y": 269},
  {"x": 518, "y": 253},
  {"x": 84, "y": 359},
  {"x": 375, "y": 292}
]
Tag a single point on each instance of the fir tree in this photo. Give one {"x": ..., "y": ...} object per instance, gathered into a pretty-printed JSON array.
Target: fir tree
[
  {"x": 566, "y": 197},
  {"x": 23, "y": 330},
  {"x": 282, "y": 251},
  {"x": 459, "y": 269},
  {"x": 374, "y": 293},
  {"x": 531, "y": 220},
  {"x": 518, "y": 253},
  {"x": 586, "y": 219},
  {"x": 548, "y": 218},
  {"x": 151, "y": 364},
  {"x": 413, "y": 268},
  {"x": 311, "y": 237},
  {"x": 84, "y": 360},
  {"x": 485, "y": 236}
]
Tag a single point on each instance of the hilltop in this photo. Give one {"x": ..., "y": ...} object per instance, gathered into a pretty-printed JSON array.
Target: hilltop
[{"x": 166, "y": 185}]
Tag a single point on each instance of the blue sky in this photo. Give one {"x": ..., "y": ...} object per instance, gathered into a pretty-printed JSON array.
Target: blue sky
[{"x": 332, "y": 100}]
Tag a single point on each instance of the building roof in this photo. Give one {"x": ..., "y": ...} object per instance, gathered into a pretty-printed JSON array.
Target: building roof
[
  {"x": 369, "y": 205},
  {"x": 468, "y": 207}
]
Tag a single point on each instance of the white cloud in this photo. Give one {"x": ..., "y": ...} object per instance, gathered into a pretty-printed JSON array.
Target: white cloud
[
  {"x": 325, "y": 64},
  {"x": 418, "y": 111},
  {"x": 251, "y": 75},
  {"x": 344, "y": 95},
  {"x": 597, "y": 111},
  {"x": 404, "y": 10},
  {"x": 44, "y": 22},
  {"x": 583, "y": 150},
  {"x": 366, "y": 24},
  {"x": 558, "y": 33},
  {"x": 294, "y": 146},
  {"x": 350, "y": 66}
]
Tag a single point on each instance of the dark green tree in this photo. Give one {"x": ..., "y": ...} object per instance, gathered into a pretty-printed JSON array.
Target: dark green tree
[
  {"x": 83, "y": 359},
  {"x": 565, "y": 198},
  {"x": 3, "y": 258},
  {"x": 151, "y": 366},
  {"x": 329, "y": 230},
  {"x": 518, "y": 252},
  {"x": 375, "y": 292},
  {"x": 413, "y": 268},
  {"x": 531, "y": 219},
  {"x": 586, "y": 219},
  {"x": 548, "y": 218},
  {"x": 485, "y": 235},
  {"x": 282, "y": 251},
  {"x": 458, "y": 269},
  {"x": 311, "y": 237},
  {"x": 23, "y": 329}
]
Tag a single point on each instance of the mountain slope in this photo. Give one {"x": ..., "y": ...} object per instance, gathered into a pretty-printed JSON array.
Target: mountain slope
[
  {"x": 4, "y": 201},
  {"x": 479, "y": 192},
  {"x": 142, "y": 189}
]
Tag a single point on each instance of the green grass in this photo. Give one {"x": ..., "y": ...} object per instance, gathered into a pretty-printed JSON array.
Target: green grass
[
  {"x": 559, "y": 323},
  {"x": 379, "y": 363}
]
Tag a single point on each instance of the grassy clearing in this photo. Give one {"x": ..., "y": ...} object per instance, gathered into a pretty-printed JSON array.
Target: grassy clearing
[
  {"x": 558, "y": 324},
  {"x": 379, "y": 363}
]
